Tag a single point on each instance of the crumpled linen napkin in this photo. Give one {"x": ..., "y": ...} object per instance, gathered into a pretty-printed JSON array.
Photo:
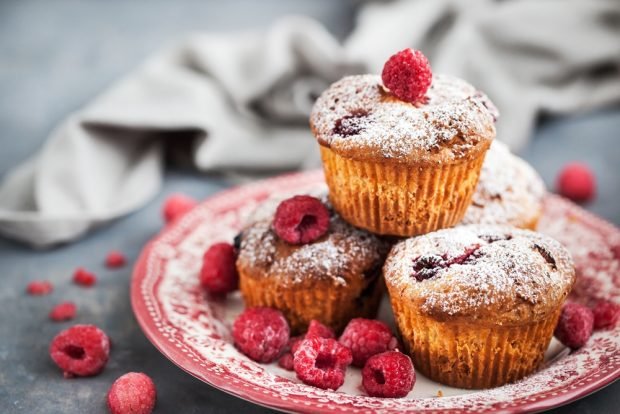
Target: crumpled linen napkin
[{"x": 246, "y": 97}]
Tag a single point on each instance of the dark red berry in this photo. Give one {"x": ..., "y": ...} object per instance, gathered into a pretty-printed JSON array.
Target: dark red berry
[
  {"x": 176, "y": 205},
  {"x": 317, "y": 329},
  {"x": 388, "y": 375},
  {"x": 81, "y": 350},
  {"x": 83, "y": 277},
  {"x": 286, "y": 361},
  {"x": 606, "y": 315},
  {"x": 322, "y": 362},
  {"x": 407, "y": 74},
  {"x": 64, "y": 311},
  {"x": 351, "y": 124},
  {"x": 367, "y": 337},
  {"x": 39, "y": 288},
  {"x": 577, "y": 182},
  {"x": 219, "y": 274},
  {"x": 575, "y": 325},
  {"x": 301, "y": 219},
  {"x": 132, "y": 393},
  {"x": 261, "y": 333},
  {"x": 115, "y": 259}
]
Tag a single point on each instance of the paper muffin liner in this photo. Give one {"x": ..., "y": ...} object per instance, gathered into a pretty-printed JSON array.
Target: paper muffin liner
[
  {"x": 400, "y": 199},
  {"x": 331, "y": 305},
  {"x": 473, "y": 355}
]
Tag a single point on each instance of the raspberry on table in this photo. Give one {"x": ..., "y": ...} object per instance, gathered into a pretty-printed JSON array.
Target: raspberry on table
[
  {"x": 388, "y": 375},
  {"x": 115, "y": 259},
  {"x": 219, "y": 274},
  {"x": 577, "y": 182},
  {"x": 322, "y": 362},
  {"x": 407, "y": 74},
  {"x": 606, "y": 314},
  {"x": 301, "y": 219},
  {"x": 261, "y": 333},
  {"x": 575, "y": 325},
  {"x": 176, "y": 205},
  {"x": 317, "y": 329},
  {"x": 64, "y": 311},
  {"x": 367, "y": 337},
  {"x": 132, "y": 393},
  {"x": 83, "y": 277},
  {"x": 39, "y": 288},
  {"x": 81, "y": 350}
]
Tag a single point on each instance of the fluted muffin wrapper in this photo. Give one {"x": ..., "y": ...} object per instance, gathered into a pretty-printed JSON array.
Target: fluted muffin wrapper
[
  {"x": 400, "y": 199},
  {"x": 470, "y": 354},
  {"x": 331, "y": 305}
]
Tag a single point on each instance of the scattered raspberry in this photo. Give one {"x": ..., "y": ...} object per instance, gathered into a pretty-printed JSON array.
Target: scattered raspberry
[
  {"x": 115, "y": 259},
  {"x": 286, "y": 361},
  {"x": 606, "y": 315},
  {"x": 301, "y": 219},
  {"x": 407, "y": 74},
  {"x": 577, "y": 182},
  {"x": 84, "y": 277},
  {"x": 39, "y": 288},
  {"x": 132, "y": 393},
  {"x": 261, "y": 333},
  {"x": 219, "y": 274},
  {"x": 64, "y": 311},
  {"x": 176, "y": 205},
  {"x": 81, "y": 350},
  {"x": 317, "y": 329},
  {"x": 575, "y": 325},
  {"x": 322, "y": 362},
  {"x": 389, "y": 374},
  {"x": 367, "y": 337}
]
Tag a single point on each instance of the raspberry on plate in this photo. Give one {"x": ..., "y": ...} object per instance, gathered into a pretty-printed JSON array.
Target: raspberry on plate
[
  {"x": 132, "y": 393},
  {"x": 115, "y": 259},
  {"x": 389, "y": 375},
  {"x": 219, "y": 274},
  {"x": 82, "y": 350},
  {"x": 176, "y": 205},
  {"x": 322, "y": 362},
  {"x": 367, "y": 337},
  {"x": 407, "y": 74},
  {"x": 39, "y": 288},
  {"x": 317, "y": 329},
  {"x": 606, "y": 314},
  {"x": 83, "y": 277},
  {"x": 261, "y": 333},
  {"x": 575, "y": 325},
  {"x": 64, "y": 311},
  {"x": 301, "y": 219},
  {"x": 577, "y": 182}
]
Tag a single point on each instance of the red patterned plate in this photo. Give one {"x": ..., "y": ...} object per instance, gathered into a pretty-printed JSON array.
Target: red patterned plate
[{"x": 193, "y": 331}]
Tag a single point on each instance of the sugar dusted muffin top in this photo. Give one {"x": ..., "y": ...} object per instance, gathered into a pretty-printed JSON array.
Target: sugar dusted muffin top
[
  {"x": 358, "y": 118},
  {"x": 492, "y": 274}
]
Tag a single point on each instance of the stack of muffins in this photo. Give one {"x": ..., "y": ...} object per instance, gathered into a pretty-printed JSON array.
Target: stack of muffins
[{"x": 421, "y": 200}]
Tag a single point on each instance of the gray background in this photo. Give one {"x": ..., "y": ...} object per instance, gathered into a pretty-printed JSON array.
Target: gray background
[{"x": 54, "y": 57}]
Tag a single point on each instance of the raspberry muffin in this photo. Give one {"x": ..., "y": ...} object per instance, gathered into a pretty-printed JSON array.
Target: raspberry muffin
[
  {"x": 306, "y": 261},
  {"x": 477, "y": 305},
  {"x": 509, "y": 191},
  {"x": 400, "y": 162}
]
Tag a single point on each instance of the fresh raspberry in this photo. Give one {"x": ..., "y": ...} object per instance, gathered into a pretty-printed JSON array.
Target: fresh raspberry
[
  {"x": 577, "y": 182},
  {"x": 322, "y": 362},
  {"x": 317, "y": 329},
  {"x": 115, "y": 259},
  {"x": 367, "y": 337},
  {"x": 64, "y": 311},
  {"x": 407, "y": 74},
  {"x": 81, "y": 350},
  {"x": 83, "y": 277},
  {"x": 219, "y": 274},
  {"x": 301, "y": 219},
  {"x": 176, "y": 205},
  {"x": 575, "y": 325},
  {"x": 606, "y": 315},
  {"x": 286, "y": 360},
  {"x": 39, "y": 288},
  {"x": 261, "y": 333},
  {"x": 388, "y": 375},
  {"x": 132, "y": 393}
]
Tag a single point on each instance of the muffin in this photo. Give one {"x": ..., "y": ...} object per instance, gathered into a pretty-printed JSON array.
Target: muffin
[
  {"x": 332, "y": 279},
  {"x": 509, "y": 191},
  {"x": 399, "y": 168},
  {"x": 477, "y": 305}
]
